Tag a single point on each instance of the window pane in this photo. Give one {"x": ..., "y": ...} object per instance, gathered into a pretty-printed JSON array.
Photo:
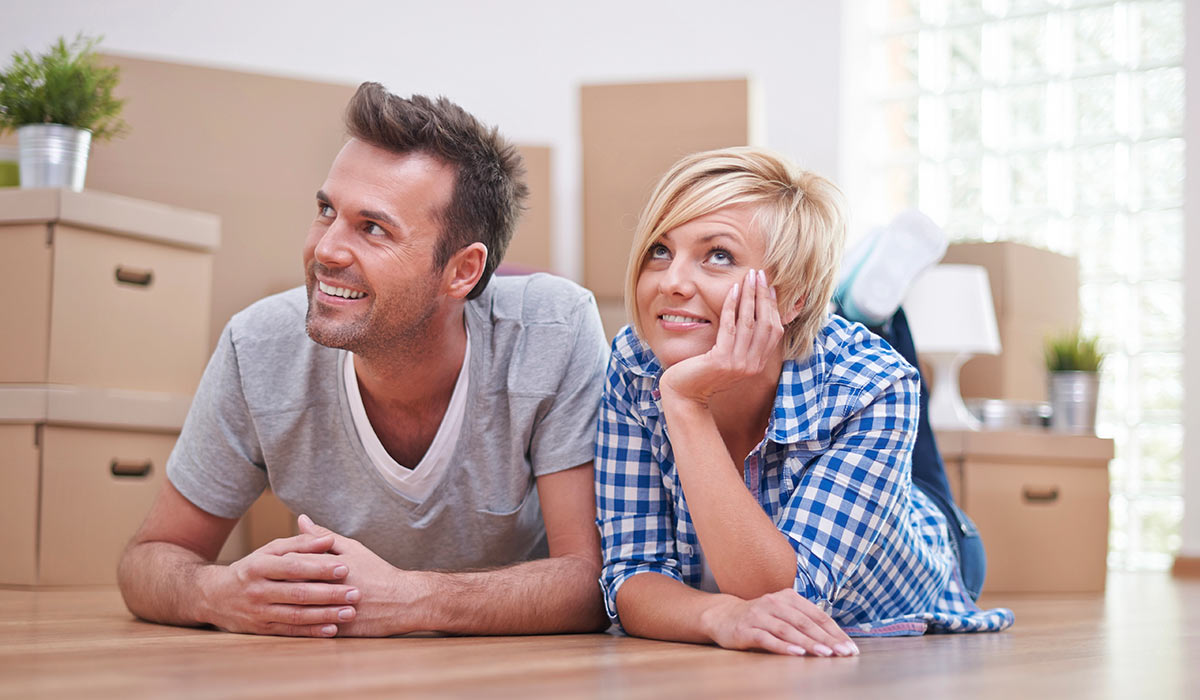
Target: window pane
[
  {"x": 1161, "y": 313},
  {"x": 1095, "y": 101},
  {"x": 1159, "y": 169},
  {"x": 1027, "y": 47},
  {"x": 1161, "y": 31},
  {"x": 902, "y": 54},
  {"x": 1162, "y": 100},
  {"x": 1025, "y": 112},
  {"x": 966, "y": 53},
  {"x": 1160, "y": 235},
  {"x": 1095, "y": 184},
  {"x": 1161, "y": 392},
  {"x": 1094, "y": 39},
  {"x": 1160, "y": 455}
]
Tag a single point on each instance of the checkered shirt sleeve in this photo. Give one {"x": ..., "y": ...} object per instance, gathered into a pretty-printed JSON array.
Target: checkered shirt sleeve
[{"x": 633, "y": 510}]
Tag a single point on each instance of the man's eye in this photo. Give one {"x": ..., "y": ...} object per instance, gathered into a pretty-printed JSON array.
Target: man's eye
[
  {"x": 324, "y": 210},
  {"x": 374, "y": 229}
]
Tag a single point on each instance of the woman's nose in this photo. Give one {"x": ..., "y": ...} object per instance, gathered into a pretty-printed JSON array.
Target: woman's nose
[{"x": 677, "y": 279}]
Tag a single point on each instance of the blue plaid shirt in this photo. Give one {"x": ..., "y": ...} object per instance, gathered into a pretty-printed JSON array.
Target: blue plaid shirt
[{"x": 833, "y": 473}]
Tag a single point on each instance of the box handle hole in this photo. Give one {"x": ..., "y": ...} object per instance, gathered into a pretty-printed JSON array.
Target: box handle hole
[
  {"x": 1042, "y": 494},
  {"x": 135, "y": 276},
  {"x": 132, "y": 469}
]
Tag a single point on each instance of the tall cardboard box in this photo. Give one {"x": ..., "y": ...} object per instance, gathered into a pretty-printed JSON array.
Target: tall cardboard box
[
  {"x": 1036, "y": 293},
  {"x": 631, "y": 134}
]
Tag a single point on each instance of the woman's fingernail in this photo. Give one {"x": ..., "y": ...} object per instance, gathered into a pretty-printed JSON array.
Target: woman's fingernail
[
  {"x": 762, "y": 278},
  {"x": 822, "y": 650},
  {"x": 329, "y": 630},
  {"x": 340, "y": 571},
  {"x": 735, "y": 289},
  {"x": 772, "y": 293},
  {"x": 845, "y": 649},
  {"x": 751, "y": 278},
  {"x": 798, "y": 651}
]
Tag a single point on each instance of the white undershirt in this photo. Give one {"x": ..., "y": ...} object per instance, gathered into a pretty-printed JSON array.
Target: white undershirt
[{"x": 416, "y": 483}]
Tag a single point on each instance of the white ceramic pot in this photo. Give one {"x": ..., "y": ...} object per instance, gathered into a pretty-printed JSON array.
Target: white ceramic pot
[{"x": 53, "y": 155}]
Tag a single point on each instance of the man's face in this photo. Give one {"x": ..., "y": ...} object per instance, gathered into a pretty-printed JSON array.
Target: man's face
[{"x": 368, "y": 258}]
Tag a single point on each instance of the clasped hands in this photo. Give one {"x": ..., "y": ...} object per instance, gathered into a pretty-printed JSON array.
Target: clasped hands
[
  {"x": 314, "y": 584},
  {"x": 748, "y": 334}
]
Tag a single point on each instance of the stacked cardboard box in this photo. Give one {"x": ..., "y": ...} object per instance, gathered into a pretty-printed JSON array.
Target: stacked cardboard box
[{"x": 1036, "y": 293}]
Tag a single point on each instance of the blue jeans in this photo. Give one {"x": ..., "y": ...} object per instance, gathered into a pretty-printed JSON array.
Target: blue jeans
[{"x": 929, "y": 472}]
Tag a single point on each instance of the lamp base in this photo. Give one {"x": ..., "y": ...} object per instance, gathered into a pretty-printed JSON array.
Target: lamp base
[{"x": 946, "y": 408}]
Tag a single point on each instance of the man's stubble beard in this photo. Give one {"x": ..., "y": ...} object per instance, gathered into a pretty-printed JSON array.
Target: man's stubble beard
[{"x": 379, "y": 334}]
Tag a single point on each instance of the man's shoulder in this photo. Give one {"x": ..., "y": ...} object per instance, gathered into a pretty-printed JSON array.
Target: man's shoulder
[
  {"x": 278, "y": 317},
  {"x": 533, "y": 299}
]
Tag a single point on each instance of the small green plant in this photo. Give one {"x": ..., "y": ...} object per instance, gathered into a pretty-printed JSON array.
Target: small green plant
[
  {"x": 67, "y": 85},
  {"x": 1073, "y": 352}
]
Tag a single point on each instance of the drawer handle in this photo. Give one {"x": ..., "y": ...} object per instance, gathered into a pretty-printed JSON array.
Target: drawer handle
[
  {"x": 134, "y": 276},
  {"x": 127, "y": 468},
  {"x": 1045, "y": 494}
]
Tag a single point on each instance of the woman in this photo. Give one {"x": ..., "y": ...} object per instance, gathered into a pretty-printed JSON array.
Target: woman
[{"x": 753, "y": 479}]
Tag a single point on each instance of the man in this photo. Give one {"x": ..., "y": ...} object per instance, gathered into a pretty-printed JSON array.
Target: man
[{"x": 429, "y": 419}]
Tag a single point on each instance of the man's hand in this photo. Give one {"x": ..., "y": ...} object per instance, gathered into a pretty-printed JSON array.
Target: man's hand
[
  {"x": 393, "y": 599},
  {"x": 783, "y": 622},
  {"x": 749, "y": 333},
  {"x": 292, "y": 586}
]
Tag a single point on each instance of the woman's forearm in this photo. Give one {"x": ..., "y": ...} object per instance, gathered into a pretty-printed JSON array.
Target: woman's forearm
[{"x": 749, "y": 557}]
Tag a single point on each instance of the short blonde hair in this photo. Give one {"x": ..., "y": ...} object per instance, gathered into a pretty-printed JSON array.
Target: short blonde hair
[{"x": 800, "y": 214}]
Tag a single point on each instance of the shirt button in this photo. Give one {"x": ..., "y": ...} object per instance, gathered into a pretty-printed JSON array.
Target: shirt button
[{"x": 685, "y": 548}]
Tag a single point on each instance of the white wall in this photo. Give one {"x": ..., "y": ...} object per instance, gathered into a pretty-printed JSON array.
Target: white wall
[
  {"x": 517, "y": 64},
  {"x": 1191, "y": 302}
]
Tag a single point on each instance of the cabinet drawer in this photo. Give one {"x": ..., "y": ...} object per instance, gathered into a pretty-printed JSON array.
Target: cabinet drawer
[
  {"x": 1045, "y": 528},
  {"x": 127, "y": 313},
  {"x": 97, "y": 486}
]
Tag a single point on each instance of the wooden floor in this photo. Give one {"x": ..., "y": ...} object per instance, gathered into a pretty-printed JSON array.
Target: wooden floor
[{"x": 1140, "y": 640}]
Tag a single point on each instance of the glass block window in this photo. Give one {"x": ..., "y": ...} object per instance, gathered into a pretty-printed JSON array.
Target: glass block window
[{"x": 1057, "y": 123}]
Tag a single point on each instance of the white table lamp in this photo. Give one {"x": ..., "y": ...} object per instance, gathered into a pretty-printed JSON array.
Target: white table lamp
[{"x": 950, "y": 313}]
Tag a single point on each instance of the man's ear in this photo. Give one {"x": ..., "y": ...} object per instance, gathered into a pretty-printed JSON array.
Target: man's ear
[
  {"x": 794, "y": 311},
  {"x": 464, "y": 269}
]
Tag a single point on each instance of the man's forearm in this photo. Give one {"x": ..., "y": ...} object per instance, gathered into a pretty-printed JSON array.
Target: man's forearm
[
  {"x": 545, "y": 596},
  {"x": 161, "y": 582}
]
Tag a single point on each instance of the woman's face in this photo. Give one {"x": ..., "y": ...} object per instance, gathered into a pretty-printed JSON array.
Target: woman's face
[{"x": 686, "y": 275}]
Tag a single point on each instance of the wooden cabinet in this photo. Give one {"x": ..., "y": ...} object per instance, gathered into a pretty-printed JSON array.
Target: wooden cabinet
[
  {"x": 106, "y": 336},
  {"x": 1040, "y": 500}
]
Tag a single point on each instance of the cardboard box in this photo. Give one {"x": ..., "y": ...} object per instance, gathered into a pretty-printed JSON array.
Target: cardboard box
[
  {"x": 631, "y": 134},
  {"x": 1040, "y": 500},
  {"x": 1036, "y": 293}
]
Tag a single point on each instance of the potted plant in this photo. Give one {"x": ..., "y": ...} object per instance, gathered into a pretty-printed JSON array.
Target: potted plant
[
  {"x": 1073, "y": 362},
  {"x": 58, "y": 103}
]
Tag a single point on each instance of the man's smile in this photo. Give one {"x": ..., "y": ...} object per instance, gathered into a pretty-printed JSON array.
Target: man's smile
[{"x": 339, "y": 291}]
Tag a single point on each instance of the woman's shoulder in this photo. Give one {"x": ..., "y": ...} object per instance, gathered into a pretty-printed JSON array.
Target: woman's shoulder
[{"x": 851, "y": 354}]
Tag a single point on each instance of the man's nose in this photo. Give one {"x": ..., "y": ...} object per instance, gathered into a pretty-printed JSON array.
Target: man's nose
[{"x": 332, "y": 249}]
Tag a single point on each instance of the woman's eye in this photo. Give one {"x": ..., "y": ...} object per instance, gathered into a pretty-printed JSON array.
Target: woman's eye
[
  {"x": 659, "y": 252},
  {"x": 721, "y": 257}
]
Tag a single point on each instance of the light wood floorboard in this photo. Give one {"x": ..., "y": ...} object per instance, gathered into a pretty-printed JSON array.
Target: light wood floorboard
[{"x": 1140, "y": 640}]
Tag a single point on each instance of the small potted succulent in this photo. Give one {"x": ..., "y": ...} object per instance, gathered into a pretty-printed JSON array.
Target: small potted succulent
[
  {"x": 1073, "y": 363},
  {"x": 58, "y": 103}
]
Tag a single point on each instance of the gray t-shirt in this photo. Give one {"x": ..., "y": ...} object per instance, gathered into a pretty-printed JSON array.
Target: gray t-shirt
[{"x": 272, "y": 408}]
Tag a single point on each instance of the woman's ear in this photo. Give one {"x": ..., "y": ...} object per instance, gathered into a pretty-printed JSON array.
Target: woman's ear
[
  {"x": 794, "y": 311},
  {"x": 463, "y": 270}
]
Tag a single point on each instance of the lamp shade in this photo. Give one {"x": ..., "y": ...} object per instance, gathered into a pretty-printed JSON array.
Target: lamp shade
[{"x": 949, "y": 310}]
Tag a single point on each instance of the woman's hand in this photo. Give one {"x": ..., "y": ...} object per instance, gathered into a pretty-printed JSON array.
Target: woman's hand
[
  {"x": 783, "y": 622},
  {"x": 749, "y": 333}
]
